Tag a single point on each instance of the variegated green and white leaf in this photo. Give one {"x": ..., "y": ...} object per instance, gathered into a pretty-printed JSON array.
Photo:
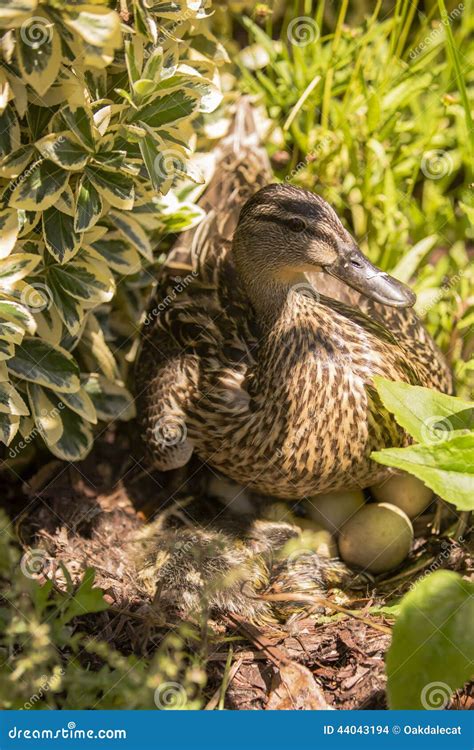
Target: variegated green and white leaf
[
  {"x": 168, "y": 108},
  {"x": 39, "y": 362},
  {"x": 11, "y": 332},
  {"x": 95, "y": 351},
  {"x": 8, "y": 231},
  {"x": 61, "y": 240},
  {"x": 97, "y": 25},
  {"x": 15, "y": 163},
  {"x": 66, "y": 202},
  {"x": 39, "y": 51},
  {"x": 9, "y": 132},
  {"x": 133, "y": 232},
  {"x": 16, "y": 267},
  {"x": 13, "y": 12},
  {"x": 46, "y": 412},
  {"x": 11, "y": 402},
  {"x": 39, "y": 187},
  {"x": 119, "y": 254},
  {"x": 76, "y": 440},
  {"x": 18, "y": 314},
  {"x": 85, "y": 279},
  {"x": 115, "y": 187},
  {"x": 70, "y": 310},
  {"x": 80, "y": 121},
  {"x": 8, "y": 427},
  {"x": 111, "y": 399},
  {"x": 50, "y": 325},
  {"x": 64, "y": 150},
  {"x": 89, "y": 205},
  {"x": 82, "y": 404}
]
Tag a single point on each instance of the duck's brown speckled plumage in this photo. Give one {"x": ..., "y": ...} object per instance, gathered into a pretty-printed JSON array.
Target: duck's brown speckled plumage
[
  {"x": 288, "y": 409},
  {"x": 283, "y": 403}
]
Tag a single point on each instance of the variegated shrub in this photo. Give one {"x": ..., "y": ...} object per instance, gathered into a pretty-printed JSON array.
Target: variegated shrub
[{"x": 98, "y": 110}]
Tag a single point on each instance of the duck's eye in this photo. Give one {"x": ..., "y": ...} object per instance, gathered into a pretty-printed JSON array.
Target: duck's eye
[{"x": 297, "y": 225}]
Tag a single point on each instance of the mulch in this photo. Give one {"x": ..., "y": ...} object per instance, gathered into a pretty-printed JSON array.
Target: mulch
[{"x": 88, "y": 515}]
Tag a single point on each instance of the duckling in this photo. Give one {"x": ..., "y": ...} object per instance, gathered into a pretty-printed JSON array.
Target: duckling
[{"x": 263, "y": 364}]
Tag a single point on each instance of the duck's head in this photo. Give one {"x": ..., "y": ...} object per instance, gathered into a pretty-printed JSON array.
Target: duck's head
[{"x": 284, "y": 231}]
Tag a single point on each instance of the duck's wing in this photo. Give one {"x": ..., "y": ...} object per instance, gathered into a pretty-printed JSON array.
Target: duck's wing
[{"x": 199, "y": 311}]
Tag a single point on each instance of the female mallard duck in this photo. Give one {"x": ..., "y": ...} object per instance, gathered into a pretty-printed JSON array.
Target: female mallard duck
[{"x": 260, "y": 348}]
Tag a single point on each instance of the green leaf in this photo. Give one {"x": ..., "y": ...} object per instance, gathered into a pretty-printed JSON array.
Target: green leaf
[
  {"x": 17, "y": 266},
  {"x": 39, "y": 51},
  {"x": 39, "y": 187},
  {"x": 11, "y": 402},
  {"x": 81, "y": 403},
  {"x": 432, "y": 650},
  {"x": 115, "y": 187},
  {"x": 9, "y": 425},
  {"x": 85, "y": 279},
  {"x": 61, "y": 240},
  {"x": 63, "y": 150},
  {"x": 79, "y": 120},
  {"x": 133, "y": 232},
  {"x": 8, "y": 231},
  {"x": 447, "y": 468},
  {"x": 46, "y": 413},
  {"x": 14, "y": 164},
  {"x": 119, "y": 254},
  {"x": 111, "y": 399},
  {"x": 88, "y": 206},
  {"x": 76, "y": 440},
  {"x": 167, "y": 109},
  {"x": 426, "y": 414},
  {"x": 408, "y": 264},
  {"x": 39, "y": 362},
  {"x": 86, "y": 599},
  {"x": 9, "y": 132},
  {"x": 98, "y": 26},
  {"x": 18, "y": 314}
]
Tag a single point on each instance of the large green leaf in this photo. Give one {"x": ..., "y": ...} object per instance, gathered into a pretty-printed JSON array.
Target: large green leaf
[
  {"x": 63, "y": 150},
  {"x": 111, "y": 400},
  {"x": 8, "y": 231},
  {"x": 447, "y": 468},
  {"x": 432, "y": 651},
  {"x": 39, "y": 51},
  {"x": 39, "y": 187},
  {"x": 76, "y": 439},
  {"x": 9, "y": 132},
  {"x": 61, "y": 240},
  {"x": 88, "y": 206},
  {"x": 167, "y": 109},
  {"x": 117, "y": 188},
  {"x": 79, "y": 120},
  {"x": 426, "y": 414},
  {"x": 39, "y": 362},
  {"x": 133, "y": 232},
  {"x": 86, "y": 279}
]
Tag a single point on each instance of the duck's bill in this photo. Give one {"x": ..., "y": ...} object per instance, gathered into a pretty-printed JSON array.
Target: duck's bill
[{"x": 356, "y": 271}]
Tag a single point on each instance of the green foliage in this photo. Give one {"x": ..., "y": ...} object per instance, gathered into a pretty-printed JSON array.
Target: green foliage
[
  {"x": 98, "y": 115},
  {"x": 444, "y": 428},
  {"x": 46, "y": 657},
  {"x": 376, "y": 119},
  {"x": 432, "y": 651}
]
